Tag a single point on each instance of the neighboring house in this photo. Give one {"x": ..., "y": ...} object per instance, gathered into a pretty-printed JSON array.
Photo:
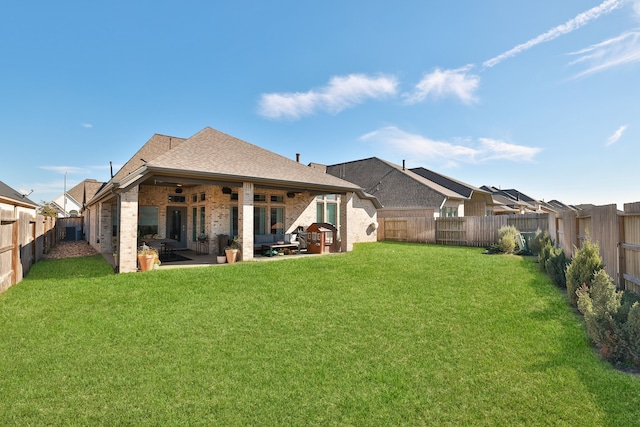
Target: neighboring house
[
  {"x": 72, "y": 202},
  {"x": 416, "y": 192},
  {"x": 17, "y": 214},
  {"x": 559, "y": 206},
  {"x": 215, "y": 184},
  {"x": 477, "y": 202},
  {"x": 512, "y": 201}
]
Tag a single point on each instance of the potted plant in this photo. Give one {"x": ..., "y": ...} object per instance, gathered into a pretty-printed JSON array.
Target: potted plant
[
  {"x": 223, "y": 239},
  {"x": 232, "y": 251},
  {"x": 148, "y": 258}
]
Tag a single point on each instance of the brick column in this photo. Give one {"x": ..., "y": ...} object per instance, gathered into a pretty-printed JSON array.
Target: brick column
[
  {"x": 245, "y": 221},
  {"x": 128, "y": 230},
  {"x": 346, "y": 209},
  {"x": 105, "y": 232}
]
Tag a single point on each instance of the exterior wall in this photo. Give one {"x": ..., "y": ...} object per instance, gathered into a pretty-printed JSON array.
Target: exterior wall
[
  {"x": 407, "y": 213},
  {"x": 299, "y": 210},
  {"x": 477, "y": 206},
  {"x": 362, "y": 222}
]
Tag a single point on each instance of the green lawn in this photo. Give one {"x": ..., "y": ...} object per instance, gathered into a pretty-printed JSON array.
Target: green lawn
[{"x": 389, "y": 334}]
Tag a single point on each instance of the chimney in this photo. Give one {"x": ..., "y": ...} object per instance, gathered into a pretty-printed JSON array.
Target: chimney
[
  {"x": 298, "y": 157},
  {"x": 403, "y": 164}
]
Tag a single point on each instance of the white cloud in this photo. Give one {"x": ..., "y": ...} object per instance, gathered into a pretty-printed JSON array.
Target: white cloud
[
  {"x": 440, "y": 83},
  {"x": 636, "y": 8},
  {"x": 492, "y": 149},
  {"x": 571, "y": 25},
  {"x": 624, "y": 49},
  {"x": 87, "y": 125},
  {"x": 340, "y": 93},
  {"x": 421, "y": 148},
  {"x": 616, "y": 135}
]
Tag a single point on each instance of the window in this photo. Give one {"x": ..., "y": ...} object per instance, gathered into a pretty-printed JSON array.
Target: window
[
  {"x": 277, "y": 199},
  {"x": 177, "y": 199},
  {"x": 114, "y": 220},
  {"x": 449, "y": 212},
  {"x": 234, "y": 221},
  {"x": 327, "y": 209},
  {"x": 194, "y": 223},
  {"x": 194, "y": 198},
  {"x": 202, "y": 219},
  {"x": 260, "y": 220},
  {"x": 259, "y": 198},
  {"x": 147, "y": 220},
  {"x": 203, "y": 197},
  {"x": 277, "y": 221},
  {"x": 332, "y": 210}
]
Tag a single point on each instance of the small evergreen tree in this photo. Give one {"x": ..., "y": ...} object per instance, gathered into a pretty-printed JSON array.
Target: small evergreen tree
[
  {"x": 599, "y": 304},
  {"x": 582, "y": 268},
  {"x": 556, "y": 266}
]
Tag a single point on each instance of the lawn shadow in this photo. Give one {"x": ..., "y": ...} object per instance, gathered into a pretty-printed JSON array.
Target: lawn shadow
[
  {"x": 84, "y": 267},
  {"x": 576, "y": 352}
]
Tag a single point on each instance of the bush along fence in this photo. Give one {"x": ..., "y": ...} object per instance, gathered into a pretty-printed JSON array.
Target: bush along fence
[
  {"x": 617, "y": 234},
  {"x": 612, "y": 316}
]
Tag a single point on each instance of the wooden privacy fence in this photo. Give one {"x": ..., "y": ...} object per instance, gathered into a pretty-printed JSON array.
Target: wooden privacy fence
[
  {"x": 23, "y": 241},
  {"x": 478, "y": 231},
  {"x": 617, "y": 234}
]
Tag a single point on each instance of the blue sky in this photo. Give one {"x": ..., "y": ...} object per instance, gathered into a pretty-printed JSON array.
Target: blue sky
[{"x": 541, "y": 96}]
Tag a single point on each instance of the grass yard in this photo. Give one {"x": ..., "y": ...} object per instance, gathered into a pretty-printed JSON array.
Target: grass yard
[{"x": 389, "y": 334}]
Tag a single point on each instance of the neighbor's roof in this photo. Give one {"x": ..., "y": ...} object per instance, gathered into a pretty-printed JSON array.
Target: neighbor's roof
[
  {"x": 462, "y": 188},
  {"x": 362, "y": 172},
  {"x": 85, "y": 190},
  {"x": 9, "y": 194}
]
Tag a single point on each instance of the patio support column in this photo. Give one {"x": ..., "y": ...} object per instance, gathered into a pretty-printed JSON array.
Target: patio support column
[
  {"x": 346, "y": 212},
  {"x": 106, "y": 231},
  {"x": 245, "y": 221},
  {"x": 128, "y": 230}
]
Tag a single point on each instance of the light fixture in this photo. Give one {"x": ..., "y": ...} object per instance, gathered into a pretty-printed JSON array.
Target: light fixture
[{"x": 178, "y": 188}]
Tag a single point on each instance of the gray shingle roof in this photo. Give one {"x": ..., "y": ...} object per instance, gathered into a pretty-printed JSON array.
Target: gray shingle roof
[
  {"x": 393, "y": 185},
  {"x": 213, "y": 152},
  {"x": 7, "y": 192},
  {"x": 463, "y": 189},
  {"x": 155, "y": 147},
  {"x": 211, "y": 155}
]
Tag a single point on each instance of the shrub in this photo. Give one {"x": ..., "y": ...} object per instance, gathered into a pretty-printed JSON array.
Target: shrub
[
  {"x": 632, "y": 334},
  {"x": 556, "y": 266},
  {"x": 539, "y": 241},
  {"x": 507, "y": 239},
  {"x": 544, "y": 255},
  {"x": 599, "y": 303},
  {"x": 581, "y": 270}
]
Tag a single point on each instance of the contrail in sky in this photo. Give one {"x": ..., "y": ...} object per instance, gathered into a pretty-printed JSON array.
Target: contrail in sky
[{"x": 569, "y": 26}]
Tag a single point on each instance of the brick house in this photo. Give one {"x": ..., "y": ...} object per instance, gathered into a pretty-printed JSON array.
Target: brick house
[
  {"x": 212, "y": 184},
  {"x": 416, "y": 192}
]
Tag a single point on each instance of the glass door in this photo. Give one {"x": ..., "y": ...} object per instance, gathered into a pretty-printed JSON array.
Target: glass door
[{"x": 177, "y": 225}]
